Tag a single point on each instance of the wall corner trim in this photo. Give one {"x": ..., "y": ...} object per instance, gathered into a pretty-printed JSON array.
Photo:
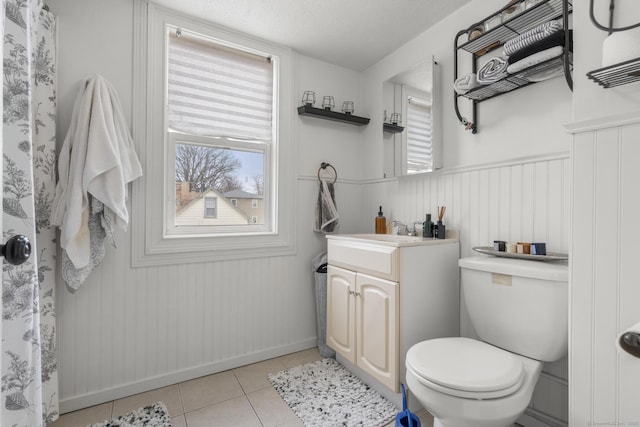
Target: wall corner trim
[{"x": 603, "y": 122}]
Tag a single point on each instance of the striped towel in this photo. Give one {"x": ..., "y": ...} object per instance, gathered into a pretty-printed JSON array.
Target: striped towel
[
  {"x": 533, "y": 35},
  {"x": 493, "y": 70},
  {"x": 556, "y": 39}
]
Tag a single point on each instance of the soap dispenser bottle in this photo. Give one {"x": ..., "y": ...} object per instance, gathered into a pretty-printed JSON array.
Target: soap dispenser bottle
[
  {"x": 381, "y": 223},
  {"x": 427, "y": 227}
]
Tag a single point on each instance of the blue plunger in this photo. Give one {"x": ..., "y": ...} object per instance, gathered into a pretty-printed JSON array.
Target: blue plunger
[{"x": 406, "y": 418}]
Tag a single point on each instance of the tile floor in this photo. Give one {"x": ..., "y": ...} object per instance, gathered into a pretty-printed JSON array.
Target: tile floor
[{"x": 239, "y": 397}]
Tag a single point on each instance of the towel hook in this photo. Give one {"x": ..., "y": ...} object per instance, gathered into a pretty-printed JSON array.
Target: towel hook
[{"x": 325, "y": 165}]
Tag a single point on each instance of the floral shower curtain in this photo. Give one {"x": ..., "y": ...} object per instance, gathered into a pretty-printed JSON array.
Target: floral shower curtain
[{"x": 27, "y": 350}]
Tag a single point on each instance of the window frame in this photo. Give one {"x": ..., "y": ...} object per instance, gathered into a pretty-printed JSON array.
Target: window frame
[{"x": 151, "y": 244}]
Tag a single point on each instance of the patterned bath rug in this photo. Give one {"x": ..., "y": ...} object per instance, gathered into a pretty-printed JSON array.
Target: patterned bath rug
[
  {"x": 155, "y": 415},
  {"x": 325, "y": 393}
]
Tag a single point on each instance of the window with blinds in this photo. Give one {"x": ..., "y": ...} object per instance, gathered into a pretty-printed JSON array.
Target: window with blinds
[
  {"x": 419, "y": 135},
  {"x": 220, "y": 121},
  {"x": 207, "y": 92}
]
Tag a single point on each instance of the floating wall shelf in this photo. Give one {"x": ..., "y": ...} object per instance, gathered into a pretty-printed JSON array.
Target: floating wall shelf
[
  {"x": 308, "y": 110},
  {"x": 391, "y": 128},
  {"x": 617, "y": 75}
]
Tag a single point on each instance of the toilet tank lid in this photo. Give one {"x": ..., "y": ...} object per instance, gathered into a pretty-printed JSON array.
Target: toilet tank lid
[{"x": 555, "y": 271}]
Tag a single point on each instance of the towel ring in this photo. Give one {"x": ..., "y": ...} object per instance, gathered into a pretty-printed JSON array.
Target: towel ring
[{"x": 324, "y": 165}]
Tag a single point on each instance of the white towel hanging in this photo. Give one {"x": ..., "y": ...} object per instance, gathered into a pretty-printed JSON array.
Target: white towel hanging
[{"x": 98, "y": 159}]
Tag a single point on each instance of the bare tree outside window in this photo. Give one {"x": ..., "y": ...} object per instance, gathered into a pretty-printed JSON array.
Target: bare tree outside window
[
  {"x": 207, "y": 168},
  {"x": 258, "y": 184}
]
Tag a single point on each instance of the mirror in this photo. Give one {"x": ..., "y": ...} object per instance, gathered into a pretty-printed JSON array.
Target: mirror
[{"x": 415, "y": 95}]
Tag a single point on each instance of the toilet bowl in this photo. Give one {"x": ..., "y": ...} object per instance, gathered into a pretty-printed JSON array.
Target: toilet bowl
[
  {"x": 468, "y": 383},
  {"x": 519, "y": 311}
]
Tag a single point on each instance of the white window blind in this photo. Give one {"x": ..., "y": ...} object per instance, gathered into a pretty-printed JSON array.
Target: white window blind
[
  {"x": 216, "y": 90},
  {"x": 419, "y": 136}
]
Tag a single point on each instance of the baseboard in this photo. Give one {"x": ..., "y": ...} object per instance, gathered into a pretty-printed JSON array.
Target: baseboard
[
  {"x": 534, "y": 418},
  {"x": 86, "y": 400}
]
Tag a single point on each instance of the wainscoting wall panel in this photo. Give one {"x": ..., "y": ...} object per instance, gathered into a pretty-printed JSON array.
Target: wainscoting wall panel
[
  {"x": 604, "y": 285},
  {"x": 527, "y": 200},
  {"x": 523, "y": 200},
  {"x": 129, "y": 330}
]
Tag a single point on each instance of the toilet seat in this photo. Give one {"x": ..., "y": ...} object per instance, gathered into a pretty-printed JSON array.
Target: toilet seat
[{"x": 465, "y": 368}]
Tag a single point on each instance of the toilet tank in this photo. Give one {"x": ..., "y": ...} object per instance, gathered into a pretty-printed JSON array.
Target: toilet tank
[{"x": 518, "y": 305}]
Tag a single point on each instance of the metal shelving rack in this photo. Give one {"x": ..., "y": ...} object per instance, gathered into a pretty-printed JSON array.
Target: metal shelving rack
[
  {"x": 542, "y": 12},
  {"x": 617, "y": 74}
]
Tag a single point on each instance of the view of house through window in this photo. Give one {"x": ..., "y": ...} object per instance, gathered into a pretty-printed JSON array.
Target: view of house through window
[{"x": 218, "y": 186}]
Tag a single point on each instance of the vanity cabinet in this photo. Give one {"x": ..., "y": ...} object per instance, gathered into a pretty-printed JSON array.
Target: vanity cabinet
[
  {"x": 385, "y": 294},
  {"x": 362, "y": 322}
]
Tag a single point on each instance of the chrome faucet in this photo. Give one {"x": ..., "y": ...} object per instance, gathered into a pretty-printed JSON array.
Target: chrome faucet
[
  {"x": 402, "y": 228},
  {"x": 406, "y": 230}
]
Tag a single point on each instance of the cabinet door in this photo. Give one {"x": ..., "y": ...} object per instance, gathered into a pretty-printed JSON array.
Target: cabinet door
[
  {"x": 377, "y": 328},
  {"x": 341, "y": 330}
]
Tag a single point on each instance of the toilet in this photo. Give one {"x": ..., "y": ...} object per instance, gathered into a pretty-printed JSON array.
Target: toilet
[{"x": 518, "y": 309}]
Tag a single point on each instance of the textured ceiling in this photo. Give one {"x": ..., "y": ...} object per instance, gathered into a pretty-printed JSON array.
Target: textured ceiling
[{"x": 352, "y": 33}]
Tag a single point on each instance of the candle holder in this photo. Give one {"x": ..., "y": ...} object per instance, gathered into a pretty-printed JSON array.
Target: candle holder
[
  {"x": 328, "y": 103},
  {"x": 309, "y": 97},
  {"x": 347, "y": 107},
  {"x": 396, "y": 119}
]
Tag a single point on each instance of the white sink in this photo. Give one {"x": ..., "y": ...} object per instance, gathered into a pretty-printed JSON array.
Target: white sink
[{"x": 389, "y": 239}]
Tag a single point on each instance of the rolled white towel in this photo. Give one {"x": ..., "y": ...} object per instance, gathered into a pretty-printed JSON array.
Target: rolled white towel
[
  {"x": 493, "y": 70},
  {"x": 547, "y": 74},
  {"x": 534, "y": 59},
  {"x": 465, "y": 83}
]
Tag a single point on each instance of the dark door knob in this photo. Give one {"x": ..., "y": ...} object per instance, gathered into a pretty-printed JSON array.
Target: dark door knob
[
  {"x": 630, "y": 342},
  {"x": 17, "y": 249}
]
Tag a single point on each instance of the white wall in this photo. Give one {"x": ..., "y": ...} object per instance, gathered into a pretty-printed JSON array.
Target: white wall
[{"x": 510, "y": 181}]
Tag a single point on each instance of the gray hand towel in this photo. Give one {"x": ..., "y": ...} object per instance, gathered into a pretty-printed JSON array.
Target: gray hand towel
[{"x": 326, "y": 210}]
